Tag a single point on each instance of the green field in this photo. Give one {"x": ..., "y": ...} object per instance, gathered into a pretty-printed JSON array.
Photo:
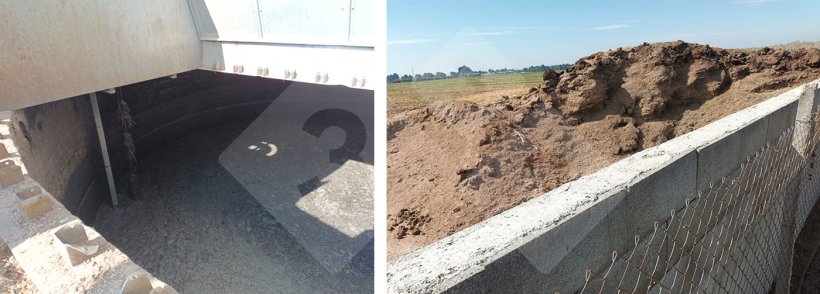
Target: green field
[
  {"x": 791, "y": 46},
  {"x": 402, "y": 97}
]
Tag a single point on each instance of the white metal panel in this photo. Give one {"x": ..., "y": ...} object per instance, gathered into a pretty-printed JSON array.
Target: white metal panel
[
  {"x": 349, "y": 66},
  {"x": 51, "y": 50},
  {"x": 202, "y": 18},
  {"x": 305, "y": 21},
  {"x": 311, "y": 22},
  {"x": 362, "y": 22},
  {"x": 232, "y": 20}
]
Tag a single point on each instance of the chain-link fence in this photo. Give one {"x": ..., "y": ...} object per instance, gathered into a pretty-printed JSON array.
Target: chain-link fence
[{"x": 736, "y": 236}]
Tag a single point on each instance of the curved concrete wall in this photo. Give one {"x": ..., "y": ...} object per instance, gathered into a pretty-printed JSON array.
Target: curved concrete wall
[{"x": 59, "y": 145}]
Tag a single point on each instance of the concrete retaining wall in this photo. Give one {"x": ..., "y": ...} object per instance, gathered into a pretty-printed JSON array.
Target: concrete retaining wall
[
  {"x": 59, "y": 145},
  {"x": 545, "y": 245}
]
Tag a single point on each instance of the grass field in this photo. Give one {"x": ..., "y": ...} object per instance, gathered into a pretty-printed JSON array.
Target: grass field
[
  {"x": 403, "y": 97},
  {"x": 792, "y": 46}
]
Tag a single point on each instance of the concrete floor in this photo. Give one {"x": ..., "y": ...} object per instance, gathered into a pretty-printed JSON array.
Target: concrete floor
[
  {"x": 308, "y": 160},
  {"x": 198, "y": 229}
]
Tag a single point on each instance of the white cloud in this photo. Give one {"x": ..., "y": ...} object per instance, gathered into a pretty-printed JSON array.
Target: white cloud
[
  {"x": 476, "y": 43},
  {"x": 608, "y": 27},
  {"x": 523, "y": 28},
  {"x": 496, "y": 33},
  {"x": 753, "y": 2},
  {"x": 409, "y": 41}
]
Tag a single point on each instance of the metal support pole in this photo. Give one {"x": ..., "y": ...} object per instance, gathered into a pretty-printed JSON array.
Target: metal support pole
[{"x": 104, "y": 148}]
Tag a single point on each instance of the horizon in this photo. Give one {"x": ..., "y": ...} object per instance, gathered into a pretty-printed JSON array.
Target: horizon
[
  {"x": 438, "y": 36},
  {"x": 556, "y": 67}
]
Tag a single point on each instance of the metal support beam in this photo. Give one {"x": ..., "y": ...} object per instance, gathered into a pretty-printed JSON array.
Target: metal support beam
[{"x": 104, "y": 149}]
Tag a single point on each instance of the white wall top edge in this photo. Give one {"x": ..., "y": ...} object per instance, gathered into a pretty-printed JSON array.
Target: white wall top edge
[
  {"x": 449, "y": 261},
  {"x": 305, "y": 42},
  {"x": 351, "y": 67}
]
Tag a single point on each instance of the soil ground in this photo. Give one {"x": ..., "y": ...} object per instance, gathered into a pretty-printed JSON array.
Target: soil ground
[
  {"x": 453, "y": 164},
  {"x": 200, "y": 231},
  {"x": 806, "y": 259},
  {"x": 806, "y": 250},
  {"x": 12, "y": 278}
]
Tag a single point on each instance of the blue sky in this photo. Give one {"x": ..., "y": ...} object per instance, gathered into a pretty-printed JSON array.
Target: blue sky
[{"x": 440, "y": 35}]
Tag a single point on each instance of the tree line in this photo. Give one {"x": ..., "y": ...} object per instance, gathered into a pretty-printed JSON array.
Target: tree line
[{"x": 465, "y": 71}]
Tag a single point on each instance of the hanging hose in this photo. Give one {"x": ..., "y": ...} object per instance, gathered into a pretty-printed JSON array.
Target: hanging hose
[{"x": 127, "y": 122}]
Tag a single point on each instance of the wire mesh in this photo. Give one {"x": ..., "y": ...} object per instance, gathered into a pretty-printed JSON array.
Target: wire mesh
[{"x": 735, "y": 236}]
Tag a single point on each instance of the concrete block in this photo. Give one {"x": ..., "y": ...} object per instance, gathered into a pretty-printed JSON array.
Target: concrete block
[
  {"x": 697, "y": 257},
  {"x": 682, "y": 253},
  {"x": 141, "y": 283},
  {"x": 584, "y": 242},
  {"x": 138, "y": 283},
  {"x": 723, "y": 156},
  {"x": 780, "y": 120},
  {"x": 641, "y": 264},
  {"x": 809, "y": 101},
  {"x": 74, "y": 242},
  {"x": 749, "y": 245},
  {"x": 10, "y": 173},
  {"x": 29, "y": 192},
  {"x": 803, "y": 132},
  {"x": 566, "y": 236},
  {"x": 36, "y": 206},
  {"x": 655, "y": 196},
  {"x": 663, "y": 178},
  {"x": 807, "y": 107}
]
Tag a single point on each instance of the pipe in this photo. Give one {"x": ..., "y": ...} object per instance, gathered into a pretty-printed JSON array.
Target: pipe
[{"x": 104, "y": 149}]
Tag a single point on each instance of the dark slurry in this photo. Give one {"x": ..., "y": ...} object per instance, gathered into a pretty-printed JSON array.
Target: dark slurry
[{"x": 200, "y": 231}]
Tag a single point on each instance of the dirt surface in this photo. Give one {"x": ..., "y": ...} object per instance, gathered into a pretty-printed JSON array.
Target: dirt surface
[
  {"x": 454, "y": 164},
  {"x": 200, "y": 231},
  {"x": 12, "y": 278},
  {"x": 812, "y": 282},
  {"x": 806, "y": 277}
]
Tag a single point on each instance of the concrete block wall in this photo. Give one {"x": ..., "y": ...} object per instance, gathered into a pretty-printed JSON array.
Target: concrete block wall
[
  {"x": 47, "y": 261},
  {"x": 545, "y": 245}
]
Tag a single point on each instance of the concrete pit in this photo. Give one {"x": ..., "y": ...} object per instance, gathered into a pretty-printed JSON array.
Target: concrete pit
[{"x": 185, "y": 217}]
